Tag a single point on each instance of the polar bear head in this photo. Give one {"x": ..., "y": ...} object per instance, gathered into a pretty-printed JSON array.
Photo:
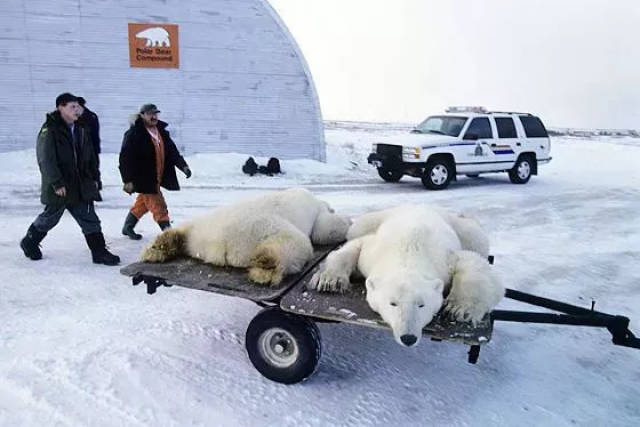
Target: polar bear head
[
  {"x": 406, "y": 302},
  {"x": 329, "y": 228}
]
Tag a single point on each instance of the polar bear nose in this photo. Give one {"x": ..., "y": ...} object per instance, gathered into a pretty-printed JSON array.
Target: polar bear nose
[{"x": 408, "y": 339}]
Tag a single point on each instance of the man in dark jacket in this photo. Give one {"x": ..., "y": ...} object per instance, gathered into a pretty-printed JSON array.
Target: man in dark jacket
[
  {"x": 90, "y": 120},
  {"x": 69, "y": 172},
  {"x": 148, "y": 159}
]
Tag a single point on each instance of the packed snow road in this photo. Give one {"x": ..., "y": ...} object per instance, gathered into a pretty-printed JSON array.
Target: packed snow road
[{"x": 80, "y": 346}]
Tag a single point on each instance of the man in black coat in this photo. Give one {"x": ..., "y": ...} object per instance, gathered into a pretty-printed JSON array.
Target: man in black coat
[
  {"x": 69, "y": 172},
  {"x": 148, "y": 159},
  {"x": 90, "y": 120}
]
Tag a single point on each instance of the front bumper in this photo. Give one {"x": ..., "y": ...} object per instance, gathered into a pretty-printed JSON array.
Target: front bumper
[{"x": 395, "y": 163}]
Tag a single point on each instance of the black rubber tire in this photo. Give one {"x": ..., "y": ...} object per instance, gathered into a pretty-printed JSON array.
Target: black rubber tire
[
  {"x": 303, "y": 332},
  {"x": 390, "y": 175},
  {"x": 522, "y": 164},
  {"x": 437, "y": 165}
]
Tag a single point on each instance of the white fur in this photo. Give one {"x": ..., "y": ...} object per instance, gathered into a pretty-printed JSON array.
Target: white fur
[
  {"x": 475, "y": 288},
  {"x": 282, "y": 225},
  {"x": 409, "y": 256},
  {"x": 472, "y": 236}
]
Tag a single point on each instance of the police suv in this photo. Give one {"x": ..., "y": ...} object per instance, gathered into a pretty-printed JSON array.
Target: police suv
[{"x": 466, "y": 140}]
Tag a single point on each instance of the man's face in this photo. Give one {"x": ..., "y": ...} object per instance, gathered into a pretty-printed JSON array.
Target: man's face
[
  {"x": 150, "y": 119},
  {"x": 70, "y": 112}
]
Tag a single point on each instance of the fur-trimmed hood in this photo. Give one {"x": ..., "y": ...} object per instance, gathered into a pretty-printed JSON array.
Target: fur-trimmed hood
[{"x": 136, "y": 120}]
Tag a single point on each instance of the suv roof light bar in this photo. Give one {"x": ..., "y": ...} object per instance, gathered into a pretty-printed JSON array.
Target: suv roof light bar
[{"x": 466, "y": 109}]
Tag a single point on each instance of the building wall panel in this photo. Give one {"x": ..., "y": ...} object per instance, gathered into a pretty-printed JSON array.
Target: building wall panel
[{"x": 242, "y": 85}]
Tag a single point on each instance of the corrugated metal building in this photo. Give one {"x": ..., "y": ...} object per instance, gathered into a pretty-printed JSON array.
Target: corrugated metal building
[{"x": 242, "y": 84}]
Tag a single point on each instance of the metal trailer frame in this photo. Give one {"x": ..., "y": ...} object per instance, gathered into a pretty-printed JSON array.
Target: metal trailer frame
[{"x": 283, "y": 341}]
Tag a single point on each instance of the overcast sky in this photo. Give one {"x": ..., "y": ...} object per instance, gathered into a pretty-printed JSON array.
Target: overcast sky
[{"x": 576, "y": 63}]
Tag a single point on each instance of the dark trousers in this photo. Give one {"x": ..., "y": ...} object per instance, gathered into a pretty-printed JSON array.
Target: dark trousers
[{"x": 83, "y": 213}]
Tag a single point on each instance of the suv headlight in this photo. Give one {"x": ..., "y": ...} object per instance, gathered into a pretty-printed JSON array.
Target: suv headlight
[{"x": 411, "y": 152}]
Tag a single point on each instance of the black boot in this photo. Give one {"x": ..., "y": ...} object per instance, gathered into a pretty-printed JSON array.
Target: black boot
[
  {"x": 99, "y": 252},
  {"x": 164, "y": 225},
  {"x": 127, "y": 229},
  {"x": 30, "y": 243}
]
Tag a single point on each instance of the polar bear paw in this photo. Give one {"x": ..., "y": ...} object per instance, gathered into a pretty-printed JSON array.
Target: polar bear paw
[
  {"x": 265, "y": 267},
  {"x": 465, "y": 309},
  {"x": 330, "y": 281}
]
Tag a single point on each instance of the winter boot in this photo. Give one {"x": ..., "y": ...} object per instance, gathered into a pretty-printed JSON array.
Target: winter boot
[
  {"x": 127, "y": 229},
  {"x": 164, "y": 225},
  {"x": 99, "y": 252},
  {"x": 30, "y": 243}
]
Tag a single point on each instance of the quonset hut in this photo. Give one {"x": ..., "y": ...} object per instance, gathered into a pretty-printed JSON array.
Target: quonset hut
[{"x": 227, "y": 74}]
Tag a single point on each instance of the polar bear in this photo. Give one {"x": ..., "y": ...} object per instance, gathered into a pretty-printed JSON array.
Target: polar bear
[
  {"x": 472, "y": 236},
  {"x": 270, "y": 234},
  {"x": 155, "y": 36},
  {"x": 410, "y": 257}
]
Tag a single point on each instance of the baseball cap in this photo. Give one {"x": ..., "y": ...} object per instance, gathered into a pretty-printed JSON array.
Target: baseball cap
[{"x": 149, "y": 108}]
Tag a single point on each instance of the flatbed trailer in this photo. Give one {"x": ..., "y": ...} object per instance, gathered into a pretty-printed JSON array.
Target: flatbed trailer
[{"x": 283, "y": 341}]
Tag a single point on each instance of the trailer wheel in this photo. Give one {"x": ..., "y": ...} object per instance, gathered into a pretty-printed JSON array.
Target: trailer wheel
[{"x": 283, "y": 347}]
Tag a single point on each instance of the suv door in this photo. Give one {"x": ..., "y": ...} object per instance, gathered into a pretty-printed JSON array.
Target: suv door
[
  {"x": 508, "y": 145},
  {"x": 478, "y": 157}
]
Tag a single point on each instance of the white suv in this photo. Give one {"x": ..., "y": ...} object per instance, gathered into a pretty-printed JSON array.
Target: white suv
[{"x": 466, "y": 140}]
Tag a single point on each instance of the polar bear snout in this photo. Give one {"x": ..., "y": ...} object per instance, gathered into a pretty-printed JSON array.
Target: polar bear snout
[
  {"x": 408, "y": 339},
  {"x": 407, "y": 306}
]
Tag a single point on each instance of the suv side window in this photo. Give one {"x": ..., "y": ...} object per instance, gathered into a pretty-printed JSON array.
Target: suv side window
[
  {"x": 481, "y": 127},
  {"x": 533, "y": 127},
  {"x": 506, "y": 127}
]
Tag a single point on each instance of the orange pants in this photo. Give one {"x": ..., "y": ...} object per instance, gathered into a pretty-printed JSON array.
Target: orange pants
[{"x": 151, "y": 202}]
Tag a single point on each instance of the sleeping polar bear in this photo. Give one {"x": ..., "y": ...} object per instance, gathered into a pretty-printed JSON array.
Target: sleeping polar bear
[
  {"x": 410, "y": 256},
  {"x": 271, "y": 234}
]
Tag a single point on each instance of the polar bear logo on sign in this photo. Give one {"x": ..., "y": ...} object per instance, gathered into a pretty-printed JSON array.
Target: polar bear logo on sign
[{"x": 156, "y": 36}]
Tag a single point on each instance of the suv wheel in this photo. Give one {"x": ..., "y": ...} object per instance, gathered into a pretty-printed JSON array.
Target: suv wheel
[
  {"x": 389, "y": 175},
  {"x": 521, "y": 172},
  {"x": 437, "y": 174}
]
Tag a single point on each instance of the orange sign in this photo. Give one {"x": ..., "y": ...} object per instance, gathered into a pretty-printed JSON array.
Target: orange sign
[{"x": 154, "y": 45}]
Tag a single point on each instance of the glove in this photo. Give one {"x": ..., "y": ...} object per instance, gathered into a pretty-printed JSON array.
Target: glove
[
  {"x": 128, "y": 187},
  {"x": 187, "y": 172},
  {"x": 61, "y": 192}
]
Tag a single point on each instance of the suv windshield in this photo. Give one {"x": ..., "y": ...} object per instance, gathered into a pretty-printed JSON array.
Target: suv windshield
[{"x": 442, "y": 125}]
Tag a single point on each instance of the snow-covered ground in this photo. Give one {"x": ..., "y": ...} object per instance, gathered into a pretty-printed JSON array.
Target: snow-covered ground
[{"x": 80, "y": 346}]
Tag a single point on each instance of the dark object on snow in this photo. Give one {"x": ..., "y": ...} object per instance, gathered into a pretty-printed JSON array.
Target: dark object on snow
[
  {"x": 273, "y": 165},
  {"x": 250, "y": 167}
]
